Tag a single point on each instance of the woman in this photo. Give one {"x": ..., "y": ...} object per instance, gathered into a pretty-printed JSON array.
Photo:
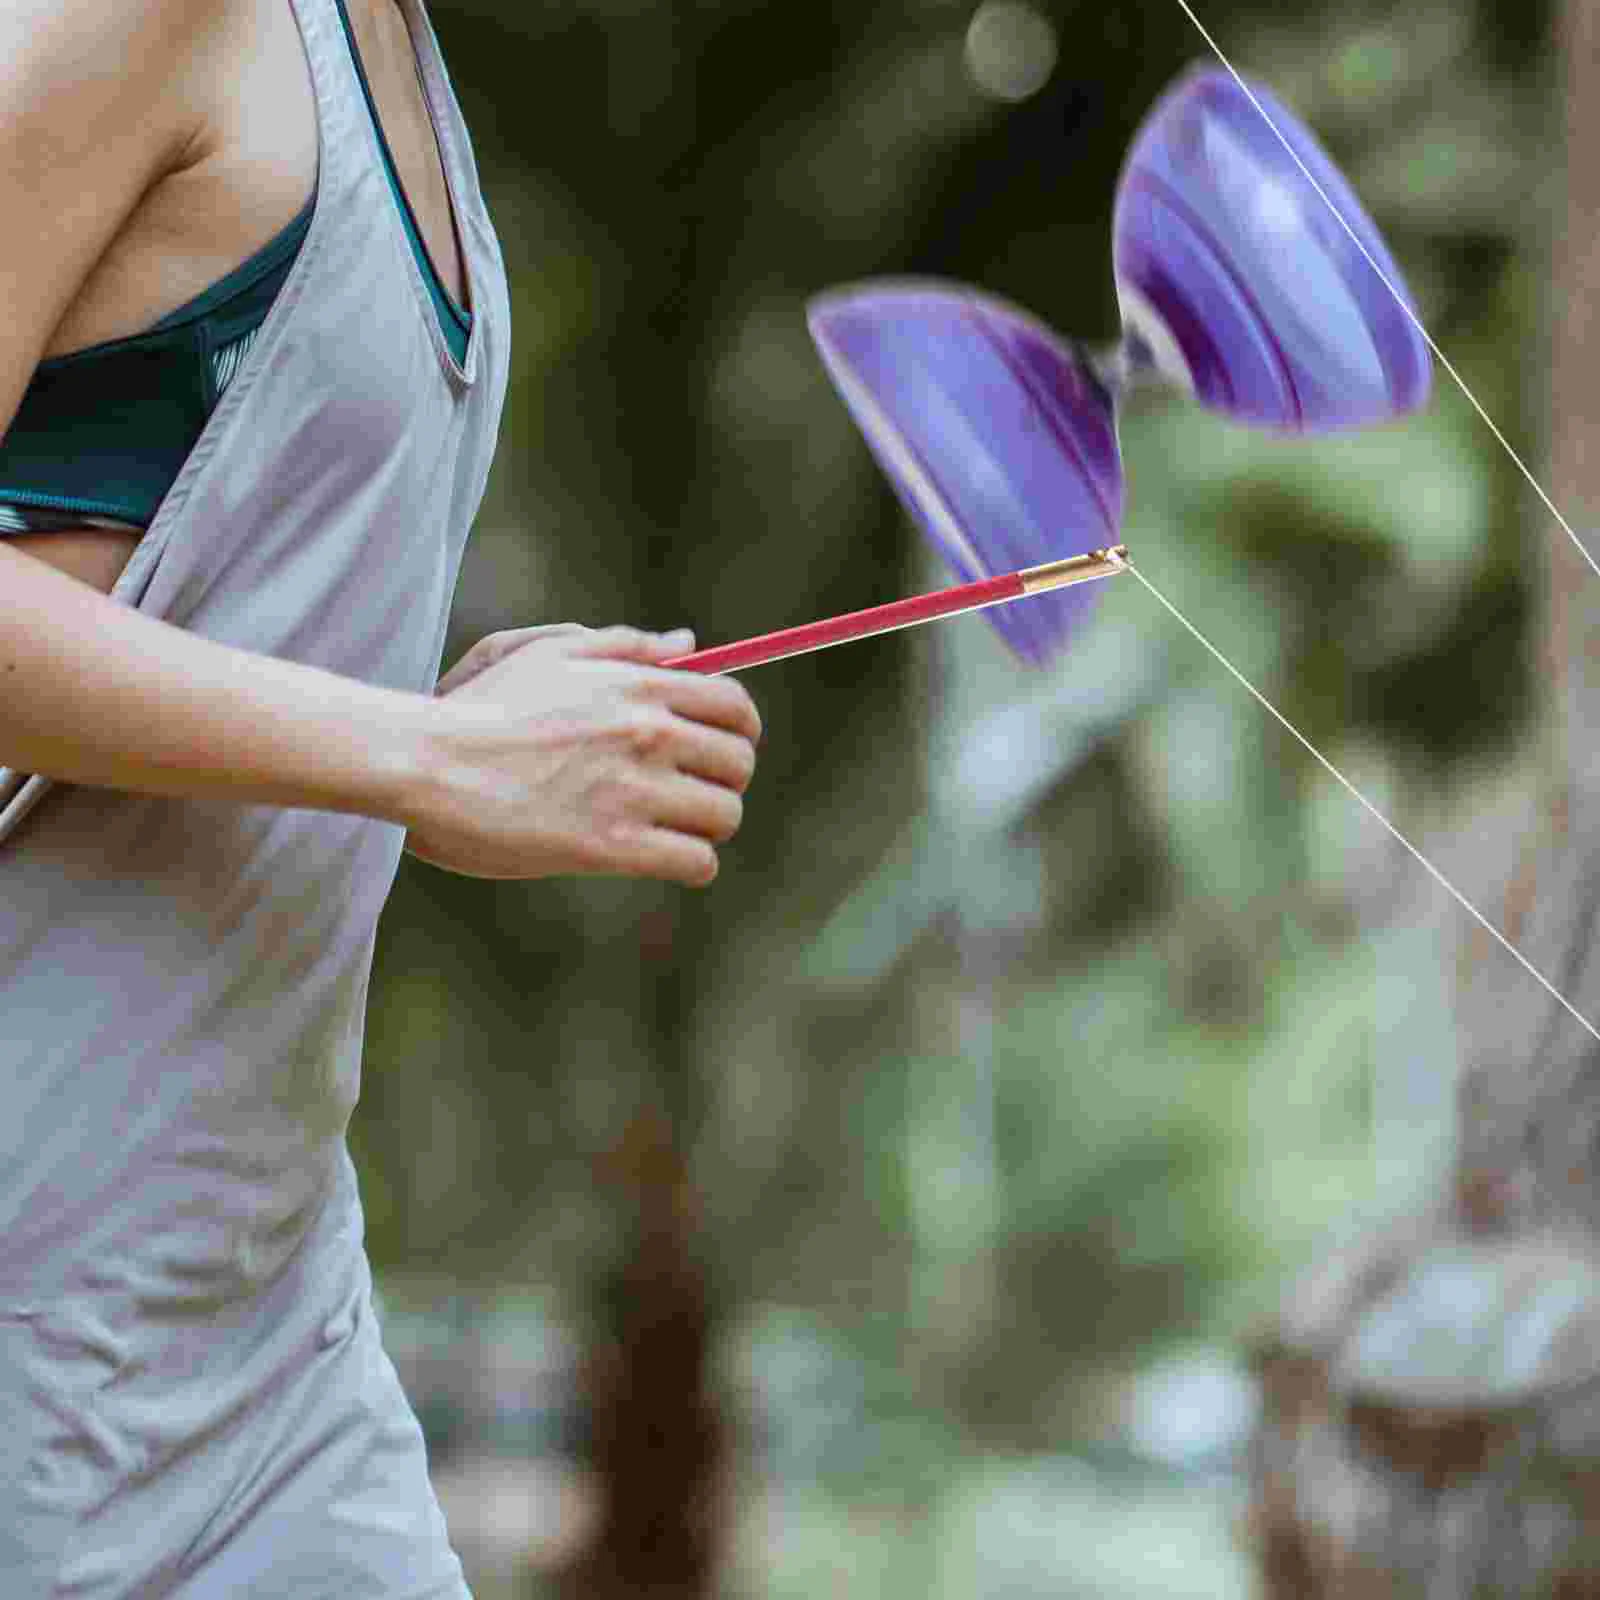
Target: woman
[{"x": 250, "y": 380}]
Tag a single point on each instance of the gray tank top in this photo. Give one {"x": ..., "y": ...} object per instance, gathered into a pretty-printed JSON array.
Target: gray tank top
[{"x": 193, "y": 1399}]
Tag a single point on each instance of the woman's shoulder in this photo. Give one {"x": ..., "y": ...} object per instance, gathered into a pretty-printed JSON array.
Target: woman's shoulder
[
  {"x": 129, "y": 60},
  {"x": 100, "y": 100},
  {"x": 35, "y": 30}
]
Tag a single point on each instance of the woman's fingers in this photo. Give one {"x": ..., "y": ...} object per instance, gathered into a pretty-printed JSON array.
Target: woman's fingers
[
  {"x": 664, "y": 853},
  {"x": 691, "y": 805},
  {"x": 495, "y": 647},
  {"x": 720, "y": 702},
  {"x": 615, "y": 644},
  {"x": 634, "y": 644},
  {"x": 710, "y": 753},
  {"x": 724, "y": 702}
]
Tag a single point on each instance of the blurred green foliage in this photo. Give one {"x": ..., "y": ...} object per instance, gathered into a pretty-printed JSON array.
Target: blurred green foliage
[{"x": 1030, "y": 1024}]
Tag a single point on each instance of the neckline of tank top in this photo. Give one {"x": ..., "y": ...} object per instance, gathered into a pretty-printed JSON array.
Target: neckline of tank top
[{"x": 442, "y": 298}]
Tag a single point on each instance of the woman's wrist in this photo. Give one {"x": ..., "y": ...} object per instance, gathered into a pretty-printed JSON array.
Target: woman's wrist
[
  {"x": 399, "y": 774},
  {"x": 414, "y": 772},
  {"x": 455, "y": 782}
]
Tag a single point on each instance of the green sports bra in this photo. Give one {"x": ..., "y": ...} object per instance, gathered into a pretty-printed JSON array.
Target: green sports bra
[{"x": 101, "y": 433}]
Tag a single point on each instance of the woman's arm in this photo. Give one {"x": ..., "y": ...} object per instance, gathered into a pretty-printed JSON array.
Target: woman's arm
[
  {"x": 561, "y": 750},
  {"x": 552, "y": 750},
  {"x": 94, "y": 692}
]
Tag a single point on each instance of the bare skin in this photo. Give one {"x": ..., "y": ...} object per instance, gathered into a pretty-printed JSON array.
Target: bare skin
[
  {"x": 250, "y": 169},
  {"x": 167, "y": 141}
]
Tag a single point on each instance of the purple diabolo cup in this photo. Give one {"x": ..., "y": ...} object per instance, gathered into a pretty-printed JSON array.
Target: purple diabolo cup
[{"x": 1237, "y": 283}]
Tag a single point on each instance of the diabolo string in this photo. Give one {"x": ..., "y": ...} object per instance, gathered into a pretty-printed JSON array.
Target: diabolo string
[{"x": 1461, "y": 899}]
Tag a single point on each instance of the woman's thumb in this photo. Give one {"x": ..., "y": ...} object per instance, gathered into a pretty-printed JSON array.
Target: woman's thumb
[{"x": 634, "y": 644}]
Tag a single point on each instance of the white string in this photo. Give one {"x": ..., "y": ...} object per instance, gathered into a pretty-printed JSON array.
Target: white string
[
  {"x": 1438, "y": 877},
  {"x": 1399, "y": 299},
  {"x": 1505, "y": 445}
]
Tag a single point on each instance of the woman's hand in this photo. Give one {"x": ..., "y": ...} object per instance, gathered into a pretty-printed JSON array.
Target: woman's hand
[{"x": 569, "y": 750}]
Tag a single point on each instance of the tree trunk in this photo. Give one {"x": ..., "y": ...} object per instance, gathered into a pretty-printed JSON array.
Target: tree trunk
[
  {"x": 659, "y": 1444},
  {"x": 1431, "y": 1397}
]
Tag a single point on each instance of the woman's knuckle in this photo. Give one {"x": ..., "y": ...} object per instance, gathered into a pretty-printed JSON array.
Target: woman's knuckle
[
  {"x": 648, "y": 730},
  {"x": 607, "y": 840},
  {"x": 619, "y": 795},
  {"x": 592, "y": 851},
  {"x": 621, "y": 834}
]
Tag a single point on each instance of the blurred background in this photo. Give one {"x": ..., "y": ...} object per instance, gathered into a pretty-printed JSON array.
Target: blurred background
[{"x": 900, "y": 1215}]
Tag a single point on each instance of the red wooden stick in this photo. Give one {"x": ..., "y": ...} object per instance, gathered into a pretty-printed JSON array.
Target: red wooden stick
[{"x": 902, "y": 613}]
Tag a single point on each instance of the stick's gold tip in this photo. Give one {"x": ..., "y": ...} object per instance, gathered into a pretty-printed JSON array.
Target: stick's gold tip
[{"x": 1104, "y": 563}]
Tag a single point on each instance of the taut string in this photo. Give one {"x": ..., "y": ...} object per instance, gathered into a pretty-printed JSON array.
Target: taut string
[
  {"x": 1350, "y": 788},
  {"x": 1345, "y": 783},
  {"x": 1399, "y": 299}
]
